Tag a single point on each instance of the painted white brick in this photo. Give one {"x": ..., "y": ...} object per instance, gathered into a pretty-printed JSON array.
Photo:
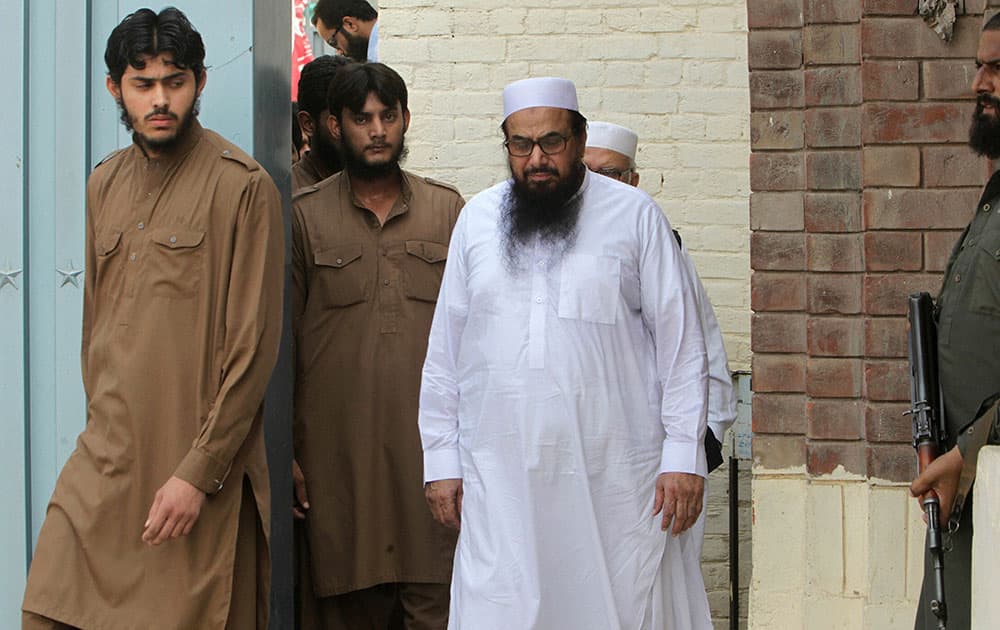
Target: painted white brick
[
  {"x": 486, "y": 49},
  {"x": 692, "y": 45},
  {"x": 582, "y": 74},
  {"x": 585, "y": 22},
  {"x": 544, "y": 22},
  {"x": 887, "y": 545},
  {"x": 722, "y": 20},
  {"x": 475, "y": 23},
  {"x": 405, "y": 49},
  {"x": 667, "y": 19},
  {"x": 508, "y": 21},
  {"x": 431, "y": 22}
]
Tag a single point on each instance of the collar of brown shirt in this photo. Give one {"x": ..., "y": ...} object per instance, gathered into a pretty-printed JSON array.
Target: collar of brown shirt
[{"x": 401, "y": 205}]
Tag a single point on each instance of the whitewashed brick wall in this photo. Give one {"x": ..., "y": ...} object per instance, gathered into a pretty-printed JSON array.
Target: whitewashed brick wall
[{"x": 675, "y": 72}]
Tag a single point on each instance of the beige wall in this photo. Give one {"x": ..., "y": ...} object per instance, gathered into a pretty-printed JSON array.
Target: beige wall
[{"x": 674, "y": 72}]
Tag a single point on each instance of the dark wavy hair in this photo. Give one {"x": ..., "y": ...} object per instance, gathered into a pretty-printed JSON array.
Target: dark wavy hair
[
  {"x": 314, "y": 81},
  {"x": 333, "y": 12},
  {"x": 147, "y": 33},
  {"x": 353, "y": 83}
]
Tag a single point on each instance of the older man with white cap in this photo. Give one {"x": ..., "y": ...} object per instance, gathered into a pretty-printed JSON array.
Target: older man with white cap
[
  {"x": 564, "y": 394},
  {"x": 611, "y": 151}
]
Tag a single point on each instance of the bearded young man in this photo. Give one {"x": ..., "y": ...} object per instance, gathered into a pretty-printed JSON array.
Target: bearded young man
[
  {"x": 323, "y": 158},
  {"x": 563, "y": 399},
  {"x": 968, "y": 312},
  {"x": 160, "y": 517},
  {"x": 369, "y": 248}
]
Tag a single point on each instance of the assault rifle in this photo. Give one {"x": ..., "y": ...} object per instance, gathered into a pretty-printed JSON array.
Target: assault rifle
[{"x": 929, "y": 429}]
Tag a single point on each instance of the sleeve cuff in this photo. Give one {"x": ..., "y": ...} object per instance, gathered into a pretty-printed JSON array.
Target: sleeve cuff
[
  {"x": 202, "y": 471},
  {"x": 442, "y": 464},
  {"x": 684, "y": 457}
]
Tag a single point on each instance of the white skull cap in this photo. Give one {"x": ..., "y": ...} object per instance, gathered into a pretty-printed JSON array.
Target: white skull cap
[
  {"x": 605, "y": 135},
  {"x": 539, "y": 92}
]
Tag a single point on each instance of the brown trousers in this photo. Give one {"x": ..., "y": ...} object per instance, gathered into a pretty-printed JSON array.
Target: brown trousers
[
  {"x": 395, "y": 606},
  {"x": 249, "y": 607}
]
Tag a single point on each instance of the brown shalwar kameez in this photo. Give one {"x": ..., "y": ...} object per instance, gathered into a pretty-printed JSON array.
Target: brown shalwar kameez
[
  {"x": 308, "y": 171},
  {"x": 181, "y": 322},
  {"x": 363, "y": 299}
]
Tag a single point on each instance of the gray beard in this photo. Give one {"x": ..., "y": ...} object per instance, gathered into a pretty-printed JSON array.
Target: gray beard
[{"x": 547, "y": 219}]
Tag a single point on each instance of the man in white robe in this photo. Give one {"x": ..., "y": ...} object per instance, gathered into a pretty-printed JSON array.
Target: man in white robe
[
  {"x": 611, "y": 151},
  {"x": 564, "y": 395}
]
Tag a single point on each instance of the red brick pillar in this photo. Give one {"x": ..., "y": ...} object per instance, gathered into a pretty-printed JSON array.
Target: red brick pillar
[{"x": 861, "y": 179}]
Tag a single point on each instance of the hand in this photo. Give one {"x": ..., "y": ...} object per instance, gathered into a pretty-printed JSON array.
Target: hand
[
  {"x": 942, "y": 476},
  {"x": 444, "y": 497},
  {"x": 679, "y": 496},
  {"x": 174, "y": 512},
  {"x": 301, "y": 505}
]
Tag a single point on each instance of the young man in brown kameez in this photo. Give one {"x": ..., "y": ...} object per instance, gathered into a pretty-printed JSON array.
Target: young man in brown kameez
[
  {"x": 159, "y": 519},
  {"x": 369, "y": 246}
]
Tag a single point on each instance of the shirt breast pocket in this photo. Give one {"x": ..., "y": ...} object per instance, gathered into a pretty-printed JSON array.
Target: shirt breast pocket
[
  {"x": 589, "y": 288},
  {"x": 106, "y": 250},
  {"x": 339, "y": 279},
  {"x": 423, "y": 268},
  {"x": 175, "y": 262},
  {"x": 984, "y": 294}
]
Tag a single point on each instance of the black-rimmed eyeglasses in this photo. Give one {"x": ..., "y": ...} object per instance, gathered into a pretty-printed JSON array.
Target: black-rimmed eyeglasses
[{"x": 550, "y": 144}]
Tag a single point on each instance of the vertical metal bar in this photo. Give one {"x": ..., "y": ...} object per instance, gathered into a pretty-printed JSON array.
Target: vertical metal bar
[
  {"x": 734, "y": 543},
  {"x": 272, "y": 112}
]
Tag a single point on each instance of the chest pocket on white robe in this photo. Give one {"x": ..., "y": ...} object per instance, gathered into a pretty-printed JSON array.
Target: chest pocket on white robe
[{"x": 590, "y": 288}]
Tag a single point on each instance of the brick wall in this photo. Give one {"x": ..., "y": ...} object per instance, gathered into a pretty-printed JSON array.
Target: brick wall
[
  {"x": 861, "y": 180},
  {"x": 674, "y": 72}
]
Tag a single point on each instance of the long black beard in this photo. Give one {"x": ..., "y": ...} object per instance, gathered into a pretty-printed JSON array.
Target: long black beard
[
  {"x": 356, "y": 166},
  {"x": 546, "y": 217},
  {"x": 984, "y": 132}
]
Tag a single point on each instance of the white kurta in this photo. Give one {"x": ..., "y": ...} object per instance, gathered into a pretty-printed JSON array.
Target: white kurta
[
  {"x": 557, "y": 395},
  {"x": 691, "y": 610}
]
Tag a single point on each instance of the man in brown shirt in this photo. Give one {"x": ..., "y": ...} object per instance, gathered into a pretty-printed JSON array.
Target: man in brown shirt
[
  {"x": 369, "y": 247},
  {"x": 323, "y": 158},
  {"x": 159, "y": 519}
]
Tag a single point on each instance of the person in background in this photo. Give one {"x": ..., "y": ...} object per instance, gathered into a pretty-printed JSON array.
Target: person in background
[
  {"x": 323, "y": 158},
  {"x": 611, "y": 151},
  {"x": 350, "y": 26},
  {"x": 298, "y": 142}
]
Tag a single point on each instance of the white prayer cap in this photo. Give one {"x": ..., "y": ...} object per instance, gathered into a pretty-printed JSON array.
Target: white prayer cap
[
  {"x": 605, "y": 135},
  {"x": 539, "y": 92}
]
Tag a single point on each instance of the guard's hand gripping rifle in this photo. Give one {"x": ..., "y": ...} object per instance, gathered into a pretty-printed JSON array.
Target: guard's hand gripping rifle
[{"x": 929, "y": 430}]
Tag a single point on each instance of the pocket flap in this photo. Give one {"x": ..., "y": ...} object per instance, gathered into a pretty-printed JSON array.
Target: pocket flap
[
  {"x": 990, "y": 241},
  {"x": 106, "y": 243},
  {"x": 338, "y": 256},
  {"x": 175, "y": 238},
  {"x": 427, "y": 250}
]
